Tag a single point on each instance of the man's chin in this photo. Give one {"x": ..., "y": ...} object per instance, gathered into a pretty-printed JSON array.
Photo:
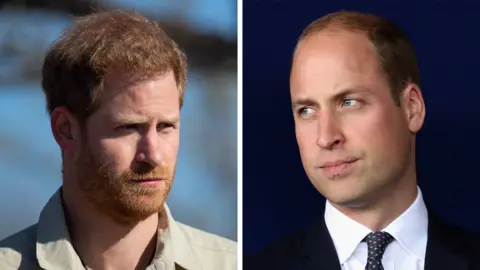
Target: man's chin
[
  {"x": 348, "y": 199},
  {"x": 133, "y": 213},
  {"x": 132, "y": 208}
]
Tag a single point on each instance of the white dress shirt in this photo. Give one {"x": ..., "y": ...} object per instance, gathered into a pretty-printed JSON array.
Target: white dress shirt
[{"x": 406, "y": 252}]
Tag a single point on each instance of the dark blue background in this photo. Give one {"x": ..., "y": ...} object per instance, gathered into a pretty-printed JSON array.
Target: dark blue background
[{"x": 277, "y": 196}]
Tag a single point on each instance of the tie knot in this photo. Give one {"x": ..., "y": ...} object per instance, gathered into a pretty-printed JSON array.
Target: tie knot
[{"x": 377, "y": 243}]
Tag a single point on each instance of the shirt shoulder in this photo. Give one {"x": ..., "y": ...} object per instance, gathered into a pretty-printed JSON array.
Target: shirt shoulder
[
  {"x": 18, "y": 250},
  {"x": 214, "y": 252}
]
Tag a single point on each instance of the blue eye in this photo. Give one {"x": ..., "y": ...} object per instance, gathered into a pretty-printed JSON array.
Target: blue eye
[
  {"x": 349, "y": 102},
  {"x": 305, "y": 112},
  {"x": 163, "y": 126}
]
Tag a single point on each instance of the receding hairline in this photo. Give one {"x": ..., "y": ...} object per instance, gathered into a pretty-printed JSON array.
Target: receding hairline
[
  {"x": 394, "y": 51},
  {"x": 332, "y": 32},
  {"x": 333, "y": 28}
]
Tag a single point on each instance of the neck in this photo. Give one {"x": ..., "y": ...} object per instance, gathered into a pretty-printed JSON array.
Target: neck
[
  {"x": 102, "y": 243},
  {"x": 379, "y": 212}
]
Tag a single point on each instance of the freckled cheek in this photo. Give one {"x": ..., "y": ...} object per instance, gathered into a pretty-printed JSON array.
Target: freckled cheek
[
  {"x": 118, "y": 154},
  {"x": 121, "y": 152},
  {"x": 168, "y": 146}
]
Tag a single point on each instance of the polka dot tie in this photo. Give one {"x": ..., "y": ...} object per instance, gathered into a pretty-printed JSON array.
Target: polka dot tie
[{"x": 377, "y": 243}]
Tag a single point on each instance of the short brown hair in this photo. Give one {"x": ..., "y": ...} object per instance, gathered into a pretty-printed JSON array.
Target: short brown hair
[
  {"x": 75, "y": 67},
  {"x": 395, "y": 52}
]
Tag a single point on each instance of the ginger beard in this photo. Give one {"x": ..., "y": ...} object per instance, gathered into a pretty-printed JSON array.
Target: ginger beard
[{"x": 113, "y": 193}]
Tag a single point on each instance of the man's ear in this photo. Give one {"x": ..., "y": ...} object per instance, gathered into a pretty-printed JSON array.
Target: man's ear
[
  {"x": 413, "y": 106},
  {"x": 65, "y": 129}
]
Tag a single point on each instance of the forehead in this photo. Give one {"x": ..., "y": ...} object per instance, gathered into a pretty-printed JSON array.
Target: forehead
[
  {"x": 335, "y": 58},
  {"x": 153, "y": 97}
]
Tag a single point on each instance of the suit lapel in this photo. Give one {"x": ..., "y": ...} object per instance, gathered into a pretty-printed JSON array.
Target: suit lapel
[
  {"x": 447, "y": 248},
  {"x": 444, "y": 247},
  {"x": 318, "y": 251}
]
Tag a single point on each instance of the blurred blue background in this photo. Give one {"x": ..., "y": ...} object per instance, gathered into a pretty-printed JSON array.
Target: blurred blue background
[
  {"x": 281, "y": 199},
  {"x": 205, "y": 191}
]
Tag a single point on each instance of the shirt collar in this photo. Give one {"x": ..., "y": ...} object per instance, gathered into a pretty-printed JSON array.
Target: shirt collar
[
  {"x": 176, "y": 245},
  {"x": 54, "y": 248},
  {"x": 345, "y": 232},
  {"x": 55, "y": 251},
  {"x": 410, "y": 229}
]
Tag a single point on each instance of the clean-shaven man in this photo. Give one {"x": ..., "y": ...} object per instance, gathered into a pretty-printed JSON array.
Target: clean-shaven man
[{"x": 357, "y": 105}]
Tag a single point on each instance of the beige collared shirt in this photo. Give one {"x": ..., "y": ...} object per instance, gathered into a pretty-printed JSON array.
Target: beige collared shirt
[{"x": 46, "y": 245}]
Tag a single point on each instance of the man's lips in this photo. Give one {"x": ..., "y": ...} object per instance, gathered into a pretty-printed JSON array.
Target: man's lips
[
  {"x": 147, "y": 181},
  {"x": 338, "y": 162},
  {"x": 338, "y": 168}
]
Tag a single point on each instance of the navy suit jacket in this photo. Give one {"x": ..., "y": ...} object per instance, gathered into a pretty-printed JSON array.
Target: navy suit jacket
[{"x": 448, "y": 248}]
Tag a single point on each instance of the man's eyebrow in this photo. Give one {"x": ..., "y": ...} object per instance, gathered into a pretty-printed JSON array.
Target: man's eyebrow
[
  {"x": 339, "y": 95},
  {"x": 304, "y": 102},
  {"x": 125, "y": 118},
  {"x": 352, "y": 90}
]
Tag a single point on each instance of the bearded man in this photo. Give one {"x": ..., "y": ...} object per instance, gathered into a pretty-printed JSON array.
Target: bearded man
[{"x": 114, "y": 85}]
